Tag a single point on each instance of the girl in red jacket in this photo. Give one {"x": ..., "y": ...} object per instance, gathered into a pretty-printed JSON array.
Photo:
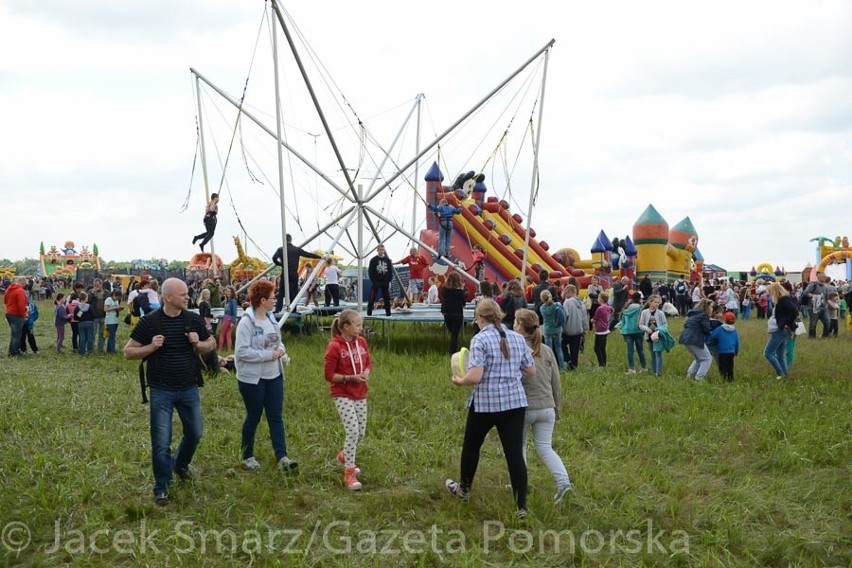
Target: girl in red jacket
[{"x": 347, "y": 368}]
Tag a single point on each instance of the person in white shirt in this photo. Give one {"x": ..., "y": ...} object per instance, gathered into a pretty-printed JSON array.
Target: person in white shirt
[
  {"x": 432, "y": 295},
  {"x": 332, "y": 283}
]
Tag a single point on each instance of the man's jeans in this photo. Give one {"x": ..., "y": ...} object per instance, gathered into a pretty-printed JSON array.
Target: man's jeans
[
  {"x": 822, "y": 316},
  {"x": 163, "y": 404},
  {"x": 16, "y": 325},
  {"x": 99, "y": 333},
  {"x": 444, "y": 238}
]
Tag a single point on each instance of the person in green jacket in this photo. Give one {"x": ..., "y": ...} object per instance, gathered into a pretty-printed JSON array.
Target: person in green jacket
[{"x": 631, "y": 332}]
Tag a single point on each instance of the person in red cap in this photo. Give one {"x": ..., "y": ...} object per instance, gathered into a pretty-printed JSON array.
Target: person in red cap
[{"x": 727, "y": 341}]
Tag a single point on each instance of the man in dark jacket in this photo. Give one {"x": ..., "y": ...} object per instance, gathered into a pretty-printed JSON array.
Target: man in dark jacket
[
  {"x": 646, "y": 287},
  {"x": 96, "y": 305},
  {"x": 536, "y": 293},
  {"x": 292, "y": 272},
  {"x": 619, "y": 298},
  {"x": 380, "y": 272}
]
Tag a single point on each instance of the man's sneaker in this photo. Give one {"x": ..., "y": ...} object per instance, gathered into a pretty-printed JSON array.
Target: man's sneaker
[
  {"x": 455, "y": 488},
  {"x": 183, "y": 474},
  {"x": 780, "y": 378},
  {"x": 342, "y": 459},
  {"x": 161, "y": 498},
  {"x": 521, "y": 514},
  {"x": 561, "y": 492},
  {"x": 251, "y": 464},
  {"x": 287, "y": 464},
  {"x": 350, "y": 480},
  {"x": 631, "y": 372}
]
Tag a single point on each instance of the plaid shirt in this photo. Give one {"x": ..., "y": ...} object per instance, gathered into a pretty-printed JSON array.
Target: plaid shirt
[{"x": 500, "y": 388}]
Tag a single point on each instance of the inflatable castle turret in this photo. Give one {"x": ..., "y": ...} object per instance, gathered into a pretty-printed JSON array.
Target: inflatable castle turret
[
  {"x": 433, "y": 178},
  {"x": 602, "y": 248},
  {"x": 651, "y": 237},
  {"x": 683, "y": 243},
  {"x": 664, "y": 253}
]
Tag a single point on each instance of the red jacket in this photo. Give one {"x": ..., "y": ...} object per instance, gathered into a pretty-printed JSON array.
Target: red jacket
[
  {"x": 347, "y": 358},
  {"x": 16, "y": 301}
]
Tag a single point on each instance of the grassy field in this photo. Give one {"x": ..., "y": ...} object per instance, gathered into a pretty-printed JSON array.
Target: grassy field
[{"x": 666, "y": 472}]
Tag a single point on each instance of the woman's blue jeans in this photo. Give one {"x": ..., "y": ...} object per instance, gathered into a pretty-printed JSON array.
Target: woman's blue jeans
[
  {"x": 656, "y": 362},
  {"x": 266, "y": 395},
  {"x": 776, "y": 351},
  {"x": 634, "y": 342},
  {"x": 554, "y": 342}
]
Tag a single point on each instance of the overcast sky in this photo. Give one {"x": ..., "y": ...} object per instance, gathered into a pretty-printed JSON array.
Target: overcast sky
[{"x": 736, "y": 114}]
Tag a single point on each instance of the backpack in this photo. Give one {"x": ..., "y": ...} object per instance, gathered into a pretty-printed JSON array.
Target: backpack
[
  {"x": 135, "y": 308},
  {"x": 680, "y": 287},
  {"x": 559, "y": 315},
  {"x": 157, "y": 323}
]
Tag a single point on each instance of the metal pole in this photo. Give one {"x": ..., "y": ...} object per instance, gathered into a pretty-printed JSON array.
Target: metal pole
[
  {"x": 459, "y": 121},
  {"x": 263, "y": 127},
  {"x": 415, "y": 203},
  {"x": 360, "y": 283},
  {"x": 269, "y": 268},
  {"x": 292, "y": 306},
  {"x": 285, "y": 271},
  {"x": 393, "y": 144},
  {"x": 204, "y": 169},
  {"x": 313, "y": 95},
  {"x": 533, "y": 190},
  {"x": 424, "y": 245}
]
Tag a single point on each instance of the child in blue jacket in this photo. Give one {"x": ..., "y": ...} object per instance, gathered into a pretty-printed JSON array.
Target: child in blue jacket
[{"x": 726, "y": 339}]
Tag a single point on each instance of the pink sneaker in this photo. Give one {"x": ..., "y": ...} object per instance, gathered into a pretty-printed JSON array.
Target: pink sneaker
[
  {"x": 349, "y": 479},
  {"x": 342, "y": 459}
]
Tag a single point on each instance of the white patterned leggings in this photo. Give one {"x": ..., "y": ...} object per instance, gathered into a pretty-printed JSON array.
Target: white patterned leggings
[{"x": 353, "y": 414}]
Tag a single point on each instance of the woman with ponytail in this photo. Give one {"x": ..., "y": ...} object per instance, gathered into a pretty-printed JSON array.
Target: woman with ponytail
[
  {"x": 499, "y": 357},
  {"x": 544, "y": 395}
]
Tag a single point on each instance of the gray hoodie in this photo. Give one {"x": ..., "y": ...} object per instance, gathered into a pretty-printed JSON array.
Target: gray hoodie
[{"x": 256, "y": 340}]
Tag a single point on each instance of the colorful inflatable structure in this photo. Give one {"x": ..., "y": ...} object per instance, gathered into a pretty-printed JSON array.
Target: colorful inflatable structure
[
  {"x": 487, "y": 222},
  {"x": 245, "y": 267},
  {"x": 66, "y": 261},
  {"x": 664, "y": 253},
  {"x": 836, "y": 251},
  {"x": 764, "y": 271},
  {"x": 203, "y": 261}
]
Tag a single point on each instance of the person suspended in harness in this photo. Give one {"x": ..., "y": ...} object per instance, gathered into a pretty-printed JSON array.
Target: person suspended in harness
[
  {"x": 210, "y": 213},
  {"x": 445, "y": 213}
]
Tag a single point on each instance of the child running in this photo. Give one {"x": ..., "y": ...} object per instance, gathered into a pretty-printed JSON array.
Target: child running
[
  {"x": 727, "y": 342},
  {"x": 347, "y": 368}
]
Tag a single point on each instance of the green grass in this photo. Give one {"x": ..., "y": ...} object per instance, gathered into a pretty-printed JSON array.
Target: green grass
[{"x": 751, "y": 473}]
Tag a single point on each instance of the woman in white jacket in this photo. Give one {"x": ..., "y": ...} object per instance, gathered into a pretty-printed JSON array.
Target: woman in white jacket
[{"x": 258, "y": 358}]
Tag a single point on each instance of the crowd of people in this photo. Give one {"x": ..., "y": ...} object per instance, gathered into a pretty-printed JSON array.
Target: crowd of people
[{"x": 517, "y": 353}]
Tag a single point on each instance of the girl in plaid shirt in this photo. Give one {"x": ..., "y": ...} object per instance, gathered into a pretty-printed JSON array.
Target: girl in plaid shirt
[{"x": 499, "y": 357}]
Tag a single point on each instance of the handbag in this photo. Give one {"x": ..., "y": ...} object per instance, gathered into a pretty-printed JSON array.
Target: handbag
[
  {"x": 800, "y": 328},
  {"x": 127, "y": 318}
]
